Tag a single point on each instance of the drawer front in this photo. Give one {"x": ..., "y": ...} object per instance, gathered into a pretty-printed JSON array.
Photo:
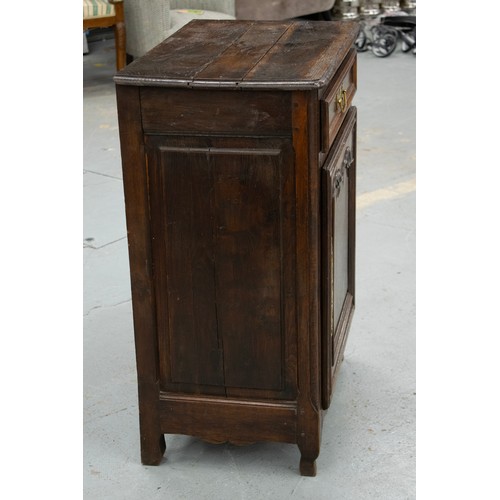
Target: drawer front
[
  {"x": 215, "y": 112},
  {"x": 338, "y": 192},
  {"x": 337, "y": 99}
]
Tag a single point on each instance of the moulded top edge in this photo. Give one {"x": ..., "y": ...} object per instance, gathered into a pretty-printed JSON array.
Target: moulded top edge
[{"x": 216, "y": 84}]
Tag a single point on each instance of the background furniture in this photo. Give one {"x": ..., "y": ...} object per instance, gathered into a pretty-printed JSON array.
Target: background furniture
[
  {"x": 149, "y": 23},
  {"x": 238, "y": 145},
  {"x": 105, "y": 14},
  {"x": 280, "y": 9}
]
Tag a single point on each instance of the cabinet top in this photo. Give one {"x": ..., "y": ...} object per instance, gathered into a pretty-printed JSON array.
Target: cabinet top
[{"x": 245, "y": 54}]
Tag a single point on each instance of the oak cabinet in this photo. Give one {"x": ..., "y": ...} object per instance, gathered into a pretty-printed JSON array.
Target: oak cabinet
[{"x": 238, "y": 144}]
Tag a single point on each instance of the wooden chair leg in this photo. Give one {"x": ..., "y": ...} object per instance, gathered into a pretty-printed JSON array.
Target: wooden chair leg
[
  {"x": 120, "y": 38},
  {"x": 120, "y": 46}
]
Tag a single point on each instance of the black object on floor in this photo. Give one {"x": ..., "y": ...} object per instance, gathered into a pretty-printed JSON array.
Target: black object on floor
[{"x": 385, "y": 36}]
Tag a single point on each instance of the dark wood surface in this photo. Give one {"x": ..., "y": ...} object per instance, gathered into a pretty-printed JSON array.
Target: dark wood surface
[
  {"x": 228, "y": 420},
  {"x": 215, "y": 112},
  {"x": 337, "y": 99},
  {"x": 245, "y": 54},
  {"x": 241, "y": 232},
  {"x": 218, "y": 263},
  {"x": 141, "y": 272},
  {"x": 338, "y": 249}
]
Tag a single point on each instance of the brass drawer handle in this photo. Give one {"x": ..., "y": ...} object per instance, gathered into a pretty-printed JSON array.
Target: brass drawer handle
[{"x": 342, "y": 100}]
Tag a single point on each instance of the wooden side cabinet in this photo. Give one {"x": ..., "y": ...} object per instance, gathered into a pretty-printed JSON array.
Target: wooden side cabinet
[{"x": 238, "y": 144}]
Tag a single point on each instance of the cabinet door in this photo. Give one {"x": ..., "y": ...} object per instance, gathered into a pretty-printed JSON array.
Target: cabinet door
[
  {"x": 338, "y": 238},
  {"x": 222, "y": 223}
]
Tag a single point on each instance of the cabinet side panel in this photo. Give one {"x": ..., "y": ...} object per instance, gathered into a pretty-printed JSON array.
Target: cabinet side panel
[
  {"x": 221, "y": 220},
  {"x": 182, "y": 220},
  {"x": 248, "y": 196}
]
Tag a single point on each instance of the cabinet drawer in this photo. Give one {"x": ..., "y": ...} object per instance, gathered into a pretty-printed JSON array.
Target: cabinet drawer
[{"x": 337, "y": 99}]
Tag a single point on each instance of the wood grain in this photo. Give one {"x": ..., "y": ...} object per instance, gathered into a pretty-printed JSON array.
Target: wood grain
[
  {"x": 228, "y": 420},
  {"x": 218, "y": 264},
  {"x": 338, "y": 251},
  {"x": 245, "y": 54},
  {"x": 143, "y": 299},
  {"x": 215, "y": 112}
]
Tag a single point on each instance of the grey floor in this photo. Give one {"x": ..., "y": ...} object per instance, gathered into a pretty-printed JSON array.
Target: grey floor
[{"x": 368, "y": 444}]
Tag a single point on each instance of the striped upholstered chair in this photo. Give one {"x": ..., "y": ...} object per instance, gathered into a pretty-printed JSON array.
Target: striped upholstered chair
[{"x": 104, "y": 14}]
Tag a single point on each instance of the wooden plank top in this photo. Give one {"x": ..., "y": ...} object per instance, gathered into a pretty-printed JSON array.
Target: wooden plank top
[{"x": 245, "y": 54}]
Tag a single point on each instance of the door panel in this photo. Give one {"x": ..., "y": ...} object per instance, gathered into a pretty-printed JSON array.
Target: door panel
[{"x": 338, "y": 239}]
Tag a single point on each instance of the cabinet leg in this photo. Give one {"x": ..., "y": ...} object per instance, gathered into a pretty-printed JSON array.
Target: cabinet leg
[
  {"x": 152, "y": 449},
  {"x": 308, "y": 461},
  {"x": 307, "y": 467}
]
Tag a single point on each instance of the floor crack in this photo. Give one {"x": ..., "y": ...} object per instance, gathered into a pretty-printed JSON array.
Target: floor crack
[
  {"x": 106, "y": 306},
  {"x": 97, "y": 417},
  {"x": 85, "y": 171},
  {"x": 88, "y": 245}
]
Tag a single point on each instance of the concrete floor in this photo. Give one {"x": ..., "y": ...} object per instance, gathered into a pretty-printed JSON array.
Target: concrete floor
[{"x": 368, "y": 444}]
